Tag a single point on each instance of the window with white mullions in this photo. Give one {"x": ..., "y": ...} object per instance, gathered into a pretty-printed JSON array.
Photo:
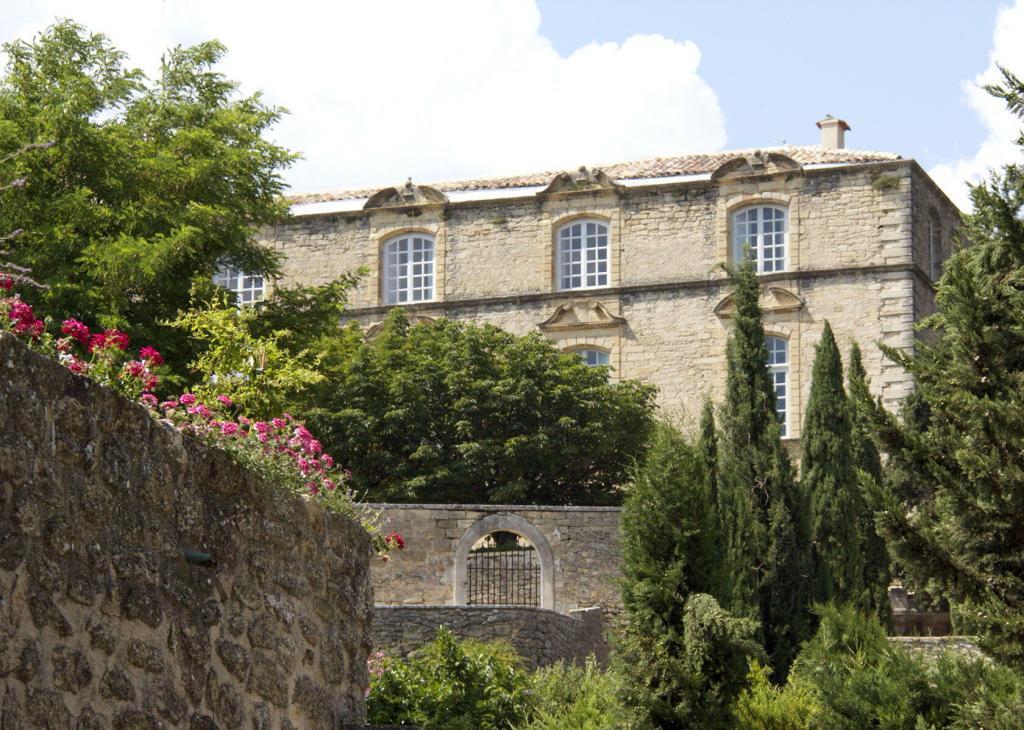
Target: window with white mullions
[
  {"x": 778, "y": 368},
  {"x": 594, "y": 358},
  {"x": 409, "y": 269},
  {"x": 583, "y": 255},
  {"x": 247, "y": 287},
  {"x": 762, "y": 232}
]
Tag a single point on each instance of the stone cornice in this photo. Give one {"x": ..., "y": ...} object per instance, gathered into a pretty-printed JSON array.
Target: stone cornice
[{"x": 652, "y": 288}]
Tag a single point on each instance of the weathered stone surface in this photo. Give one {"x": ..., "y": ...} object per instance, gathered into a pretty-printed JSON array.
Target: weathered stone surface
[{"x": 104, "y": 622}]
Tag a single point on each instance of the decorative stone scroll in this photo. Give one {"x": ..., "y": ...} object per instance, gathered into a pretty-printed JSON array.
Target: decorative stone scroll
[
  {"x": 756, "y": 163},
  {"x": 411, "y": 317},
  {"x": 581, "y": 314},
  {"x": 773, "y": 300},
  {"x": 581, "y": 180},
  {"x": 405, "y": 195}
]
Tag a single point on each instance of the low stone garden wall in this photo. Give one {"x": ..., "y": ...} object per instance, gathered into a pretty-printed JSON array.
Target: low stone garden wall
[
  {"x": 106, "y": 622},
  {"x": 541, "y": 637}
]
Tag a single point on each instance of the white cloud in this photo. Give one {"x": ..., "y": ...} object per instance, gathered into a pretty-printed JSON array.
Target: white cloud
[
  {"x": 1003, "y": 128},
  {"x": 381, "y": 91}
]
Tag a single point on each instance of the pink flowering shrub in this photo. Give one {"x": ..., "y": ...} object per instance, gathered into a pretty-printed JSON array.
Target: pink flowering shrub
[{"x": 104, "y": 357}]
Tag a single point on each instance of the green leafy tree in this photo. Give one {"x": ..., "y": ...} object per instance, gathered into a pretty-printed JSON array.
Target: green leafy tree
[
  {"x": 954, "y": 480},
  {"x": 146, "y": 187},
  {"x": 829, "y": 480},
  {"x": 453, "y": 412},
  {"x": 868, "y": 461},
  {"x": 766, "y": 553},
  {"x": 683, "y": 657},
  {"x": 452, "y": 685}
]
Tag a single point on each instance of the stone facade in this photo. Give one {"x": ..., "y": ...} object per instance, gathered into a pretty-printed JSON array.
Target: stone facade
[
  {"x": 539, "y": 636},
  {"x": 866, "y": 233},
  {"x": 106, "y": 623},
  {"x": 579, "y": 550}
]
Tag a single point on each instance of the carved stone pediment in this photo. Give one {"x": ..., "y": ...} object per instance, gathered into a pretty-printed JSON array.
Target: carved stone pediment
[
  {"x": 581, "y": 314},
  {"x": 405, "y": 195},
  {"x": 756, "y": 163},
  {"x": 581, "y": 180},
  {"x": 411, "y": 317},
  {"x": 773, "y": 300}
]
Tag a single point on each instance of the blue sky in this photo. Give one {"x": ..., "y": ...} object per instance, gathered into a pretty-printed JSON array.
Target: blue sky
[{"x": 456, "y": 88}]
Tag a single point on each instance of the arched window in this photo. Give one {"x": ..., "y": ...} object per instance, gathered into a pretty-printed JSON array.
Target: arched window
[
  {"x": 582, "y": 259},
  {"x": 762, "y": 232},
  {"x": 778, "y": 367},
  {"x": 409, "y": 269},
  {"x": 503, "y": 568},
  {"x": 594, "y": 357},
  {"x": 248, "y": 288}
]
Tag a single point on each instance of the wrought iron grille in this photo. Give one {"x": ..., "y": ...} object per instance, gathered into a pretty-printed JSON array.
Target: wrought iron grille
[{"x": 503, "y": 569}]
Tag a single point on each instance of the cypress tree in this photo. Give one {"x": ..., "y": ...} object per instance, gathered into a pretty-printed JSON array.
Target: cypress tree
[
  {"x": 765, "y": 527},
  {"x": 868, "y": 461},
  {"x": 707, "y": 445},
  {"x": 954, "y": 477},
  {"x": 829, "y": 480},
  {"x": 683, "y": 657}
]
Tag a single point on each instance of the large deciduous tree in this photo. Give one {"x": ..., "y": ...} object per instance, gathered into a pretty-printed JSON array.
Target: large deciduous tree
[
  {"x": 954, "y": 480},
  {"x": 766, "y": 545},
  {"x": 147, "y": 185},
  {"x": 453, "y": 412}
]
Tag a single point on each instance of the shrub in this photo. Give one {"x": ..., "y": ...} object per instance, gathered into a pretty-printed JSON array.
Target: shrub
[
  {"x": 765, "y": 707},
  {"x": 451, "y": 685},
  {"x": 582, "y": 698}
]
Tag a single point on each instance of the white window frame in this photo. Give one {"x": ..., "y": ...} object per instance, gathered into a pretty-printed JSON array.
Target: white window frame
[
  {"x": 247, "y": 287},
  {"x": 747, "y": 229},
  {"x": 778, "y": 367},
  {"x": 408, "y": 268},
  {"x": 583, "y": 254},
  {"x": 597, "y": 355}
]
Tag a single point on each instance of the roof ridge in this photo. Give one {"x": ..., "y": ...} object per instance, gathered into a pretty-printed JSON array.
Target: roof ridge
[{"x": 692, "y": 163}]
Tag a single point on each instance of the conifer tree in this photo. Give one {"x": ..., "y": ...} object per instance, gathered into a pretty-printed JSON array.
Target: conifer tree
[
  {"x": 707, "y": 445},
  {"x": 765, "y": 537},
  {"x": 954, "y": 479},
  {"x": 868, "y": 461},
  {"x": 682, "y": 655},
  {"x": 830, "y": 482}
]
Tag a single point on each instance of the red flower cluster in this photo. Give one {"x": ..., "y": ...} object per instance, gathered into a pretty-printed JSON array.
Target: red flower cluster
[
  {"x": 282, "y": 437},
  {"x": 104, "y": 349},
  {"x": 23, "y": 318},
  {"x": 108, "y": 338},
  {"x": 6, "y": 283},
  {"x": 395, "y": 540}
]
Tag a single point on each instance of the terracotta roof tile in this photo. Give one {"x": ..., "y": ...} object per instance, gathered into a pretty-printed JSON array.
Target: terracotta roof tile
[{"x": 692, "y": 164}]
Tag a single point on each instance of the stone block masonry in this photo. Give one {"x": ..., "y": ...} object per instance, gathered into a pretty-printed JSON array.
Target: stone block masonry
[
  {"x": 539, "y": 636},
  {"x": 103, "y": 621}
]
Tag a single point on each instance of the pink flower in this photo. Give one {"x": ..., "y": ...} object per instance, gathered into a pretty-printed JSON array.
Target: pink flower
[
  {"x": 149, "y": 399},
  {"x": 135, "y": 368},
  {"x": 395, "y": 540},
  {"x": 327, "y": 460},
  {"x": 187, "y": 399},
  {"x": 329, "y": 484},
  {"x": 278, "y": 423},
  {"x": 224, "y": 400},
  {"x": 229, "y": 429},
  {"x": 77, "y": 366},
  {"x": 151, "y": 355},
  {"x": 108, "y": 338},
  {"x": 63, "y": 344},
  {"x": 6, "y": 283},
  {"x": 200, "y": 410},
  {"x": 76, "y": 329},
  {"x": 169, "y": 404},
  {"x": 151, "y": 382}
]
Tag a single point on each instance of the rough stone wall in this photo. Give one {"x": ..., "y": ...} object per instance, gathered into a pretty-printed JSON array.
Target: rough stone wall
[
  {"x": 539, "y": 636},
  {"x": 854, "y": 247},
  {"x": 584, "y": 542},
  {"x": 932, "y": 647},
  {"x": 103, "y": 621}
]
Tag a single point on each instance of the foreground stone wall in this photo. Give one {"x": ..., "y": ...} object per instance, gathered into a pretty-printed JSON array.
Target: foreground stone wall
[
  {"x": 583, "y": 542},
  {"x": 539, "y": 636},
  {"x": 103, "y": 621}
]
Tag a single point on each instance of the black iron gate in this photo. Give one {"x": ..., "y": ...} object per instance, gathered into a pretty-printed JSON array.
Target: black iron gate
[{"x": 503, "y": 569}]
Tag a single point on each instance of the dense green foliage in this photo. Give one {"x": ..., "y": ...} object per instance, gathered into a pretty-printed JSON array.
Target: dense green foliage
[
  {"x": 452, "y": 685},
  {"x": 766, "y": 552},
  {"x": 452, "y": 412},
  {"x": 568, "y": 697},
  {"x": 867, "y": 460},
  {"x": 828, "y": 479},
  {"x": 148, "y": 185},
  {"x": 683, "y": 657},
  {"x": 954, "y": 480},
  {"x": 850, "y": 676}
]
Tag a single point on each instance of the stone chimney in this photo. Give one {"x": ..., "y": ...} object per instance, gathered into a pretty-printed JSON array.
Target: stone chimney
[{"x": 832, "y": 132}]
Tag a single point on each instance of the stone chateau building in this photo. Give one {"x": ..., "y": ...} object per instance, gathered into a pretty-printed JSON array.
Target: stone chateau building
[{"x": 623, "y": 263}]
